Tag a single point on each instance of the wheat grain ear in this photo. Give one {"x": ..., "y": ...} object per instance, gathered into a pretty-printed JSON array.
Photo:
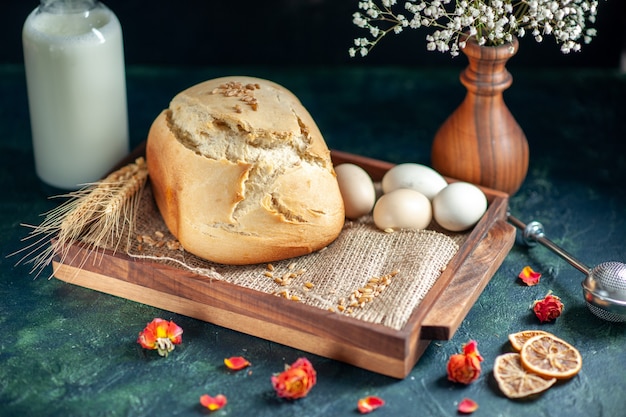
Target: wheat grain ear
[{"x": 98, "y": 216}]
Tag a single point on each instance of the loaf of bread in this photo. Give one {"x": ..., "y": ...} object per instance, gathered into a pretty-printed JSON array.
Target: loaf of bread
[{"x": 241, "y": 173}]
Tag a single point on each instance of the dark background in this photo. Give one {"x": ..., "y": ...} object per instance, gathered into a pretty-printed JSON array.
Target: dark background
[{"x": 294, "y": 33}]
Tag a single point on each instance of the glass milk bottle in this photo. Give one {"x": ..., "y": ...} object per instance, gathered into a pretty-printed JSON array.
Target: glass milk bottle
[{"x": 74, "y": 60}]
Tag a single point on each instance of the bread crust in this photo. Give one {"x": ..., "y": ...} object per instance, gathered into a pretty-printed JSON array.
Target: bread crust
[{"x": 242, "y": 184}]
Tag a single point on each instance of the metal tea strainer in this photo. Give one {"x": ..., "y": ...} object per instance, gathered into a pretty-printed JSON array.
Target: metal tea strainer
[{"x": 604, "y": 288}]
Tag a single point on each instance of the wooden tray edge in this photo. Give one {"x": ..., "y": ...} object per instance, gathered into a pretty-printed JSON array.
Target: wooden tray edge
[
  {"x": 292, "y": 337},
  {"x": 470, "y": 280}
]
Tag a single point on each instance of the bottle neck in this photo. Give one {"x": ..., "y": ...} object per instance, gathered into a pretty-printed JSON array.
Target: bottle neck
[{"x": 67, "y": 6}]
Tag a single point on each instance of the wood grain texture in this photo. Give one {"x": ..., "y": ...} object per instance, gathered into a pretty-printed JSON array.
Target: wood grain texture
[
  {"x": 481, "y": 142},
  {"x": 370, "y": 346},
  {"x": 455, "y": 302}
]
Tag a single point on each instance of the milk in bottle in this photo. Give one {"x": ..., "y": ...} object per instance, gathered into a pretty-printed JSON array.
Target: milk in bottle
[{"x": 74, "y": 60}]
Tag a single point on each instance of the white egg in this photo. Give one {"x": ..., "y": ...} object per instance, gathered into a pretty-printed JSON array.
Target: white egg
[
  {"x": 357, "y": 190},
  {"x": 459, "y": 206},
  {"x": 402, "y": 209},
  {"x": 415, "y": 177}
]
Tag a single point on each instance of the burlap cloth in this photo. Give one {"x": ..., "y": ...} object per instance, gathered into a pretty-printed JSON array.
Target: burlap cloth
[{"x": 362, "y": 257}]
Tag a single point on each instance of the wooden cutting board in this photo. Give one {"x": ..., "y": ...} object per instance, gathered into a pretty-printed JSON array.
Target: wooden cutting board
[{"x": 370, "y": 346}]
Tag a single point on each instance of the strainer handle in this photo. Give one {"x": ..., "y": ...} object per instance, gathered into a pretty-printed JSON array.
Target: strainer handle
[{"x": 534, "y": 232}]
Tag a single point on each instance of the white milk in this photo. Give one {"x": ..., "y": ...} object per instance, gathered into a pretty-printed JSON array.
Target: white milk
[{"x": 76, "y": 93}]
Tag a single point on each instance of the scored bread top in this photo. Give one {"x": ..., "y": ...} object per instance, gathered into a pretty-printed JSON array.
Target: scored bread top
[{"x": 265, "y": 113}]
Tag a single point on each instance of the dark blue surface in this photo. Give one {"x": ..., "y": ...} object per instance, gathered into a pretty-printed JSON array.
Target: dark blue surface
[{"x": 69, "y": 351}]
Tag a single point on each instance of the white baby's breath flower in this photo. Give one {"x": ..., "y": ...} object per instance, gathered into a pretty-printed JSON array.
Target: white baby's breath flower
[{"x": 489, "y": 22}]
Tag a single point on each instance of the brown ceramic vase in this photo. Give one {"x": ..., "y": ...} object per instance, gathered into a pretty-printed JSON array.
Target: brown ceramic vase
[{"x": 481, "y": 142}]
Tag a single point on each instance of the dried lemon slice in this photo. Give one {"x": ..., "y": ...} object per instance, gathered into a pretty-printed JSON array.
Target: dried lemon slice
[
  {"x": 518, "y": 339},
  {"x": 514, "y": 381},
  {"x": 550, "y": 357}
]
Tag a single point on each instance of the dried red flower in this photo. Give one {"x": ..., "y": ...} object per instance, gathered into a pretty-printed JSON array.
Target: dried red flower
[
  {"x": 549, "y": 308},
  {"x": 369, "y": 404},
  {"x": 296, "y": 380},
  {"x": 161, "y": 335},
  {"x": 465, "y": 367},
  {"x": 467, "y": 406},
  {"x": 213, "y": 403},
  {"x": 236, "y": 363},
  {"x": 529, "y": 277}
]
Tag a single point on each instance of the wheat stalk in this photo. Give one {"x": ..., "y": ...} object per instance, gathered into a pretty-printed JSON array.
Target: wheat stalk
[{"x": 97, "y": 215}]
